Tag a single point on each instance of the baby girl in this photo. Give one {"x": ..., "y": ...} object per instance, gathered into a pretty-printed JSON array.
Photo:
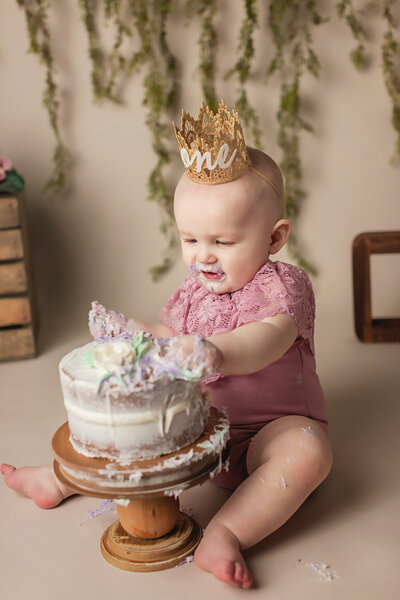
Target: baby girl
[{"x": 259, "y": 314}]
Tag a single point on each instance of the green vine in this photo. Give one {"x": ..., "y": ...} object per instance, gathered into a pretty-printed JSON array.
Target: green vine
[
  {"x": 40, "y": 44},
  {"x": 117, "y": 62},
  {"x": 95, "y": 54},
  {"x": 108, "y": 69},
  {"x": 346, "y": 12}
]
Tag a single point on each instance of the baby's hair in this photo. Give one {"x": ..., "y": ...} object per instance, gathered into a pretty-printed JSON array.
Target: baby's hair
[{"x": 268, "y": 167}]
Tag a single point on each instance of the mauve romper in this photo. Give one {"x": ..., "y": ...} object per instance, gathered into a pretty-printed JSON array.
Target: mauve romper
[{"x": 289, "y": 386}]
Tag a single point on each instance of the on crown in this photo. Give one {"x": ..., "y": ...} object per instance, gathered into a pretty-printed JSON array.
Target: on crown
[{"x": 212, "y": 147}]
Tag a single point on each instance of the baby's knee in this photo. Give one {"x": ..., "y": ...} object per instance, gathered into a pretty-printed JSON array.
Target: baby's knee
[{"x": 313, "y": 457}]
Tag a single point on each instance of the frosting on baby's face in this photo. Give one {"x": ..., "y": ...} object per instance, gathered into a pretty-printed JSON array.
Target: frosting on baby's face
[{"x": 226, "y": 230}]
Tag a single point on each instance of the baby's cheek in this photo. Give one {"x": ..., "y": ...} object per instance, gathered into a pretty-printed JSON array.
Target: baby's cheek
[{"x": 240, "y": 274}]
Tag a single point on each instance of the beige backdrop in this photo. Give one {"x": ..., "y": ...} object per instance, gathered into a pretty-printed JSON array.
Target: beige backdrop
[{"x": 98, "y": 242}]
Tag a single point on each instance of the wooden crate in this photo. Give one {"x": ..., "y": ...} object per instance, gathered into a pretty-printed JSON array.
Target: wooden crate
[{"x": 18, "y": 321}]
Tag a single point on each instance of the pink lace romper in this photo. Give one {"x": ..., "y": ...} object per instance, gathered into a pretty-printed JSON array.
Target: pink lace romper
[{"x": 289, "y": 386}]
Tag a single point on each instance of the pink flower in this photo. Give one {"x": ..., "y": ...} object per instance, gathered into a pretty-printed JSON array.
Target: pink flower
[{"x": 5, "y": 165}]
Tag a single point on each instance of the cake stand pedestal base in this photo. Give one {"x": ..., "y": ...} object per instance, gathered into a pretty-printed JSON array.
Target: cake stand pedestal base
[{"x": 134, "y": 554}]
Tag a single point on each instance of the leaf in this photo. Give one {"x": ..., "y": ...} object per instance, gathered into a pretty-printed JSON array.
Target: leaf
[{"x": 14, "y": 183}]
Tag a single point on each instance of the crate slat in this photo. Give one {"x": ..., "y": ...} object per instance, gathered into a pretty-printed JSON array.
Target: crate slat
[
  {"x": 9, "y": 213},
  {"x": 13, "y": 278},
  {"x": 18, "y": 312},
  {"x": 15, "y": 311},
  {"x": 17, "y": 343},
  {"x": 11, "y": 246}
]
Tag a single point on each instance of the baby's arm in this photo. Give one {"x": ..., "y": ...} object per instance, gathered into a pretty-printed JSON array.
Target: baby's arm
[
  {"x": 156, "y": 329},
  {"x": 252, "y": 347}
]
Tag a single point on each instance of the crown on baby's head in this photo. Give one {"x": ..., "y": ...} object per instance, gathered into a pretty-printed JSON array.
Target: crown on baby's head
[{"x": 212, "y": 147}]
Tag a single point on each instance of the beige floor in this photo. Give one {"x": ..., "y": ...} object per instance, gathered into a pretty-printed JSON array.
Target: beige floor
[{"x": 351, "y": 523}]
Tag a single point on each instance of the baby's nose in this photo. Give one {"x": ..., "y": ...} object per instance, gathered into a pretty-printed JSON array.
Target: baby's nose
[{"x": 205, "y": 255}]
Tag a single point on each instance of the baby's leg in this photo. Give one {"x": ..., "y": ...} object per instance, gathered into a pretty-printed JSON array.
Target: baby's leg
[
  {"x": 286, "y": 461},
  {"x": 38, "y": 483}
]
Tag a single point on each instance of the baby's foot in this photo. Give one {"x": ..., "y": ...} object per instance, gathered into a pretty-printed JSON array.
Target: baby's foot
[
  {"x": 38, "y": 483},
  {"x": 219, "y": 554}
]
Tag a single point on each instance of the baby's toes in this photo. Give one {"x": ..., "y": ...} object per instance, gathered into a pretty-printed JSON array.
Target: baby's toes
[
  {"x": 238, "y": 573},
  {"x": 7, "y": 470},
  {"x": 224, "y": 570},
  {"x": 247, "y": 579},
  {"x": 242, "y": 576}
]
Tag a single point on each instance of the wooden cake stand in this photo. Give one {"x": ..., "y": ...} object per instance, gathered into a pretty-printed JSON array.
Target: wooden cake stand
[{"x": 151, "y": 533}]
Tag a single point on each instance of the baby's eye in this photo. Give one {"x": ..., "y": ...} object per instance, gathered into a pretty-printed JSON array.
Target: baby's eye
[
  {"x": 221, "y": 243},
  {"x": 190, "y": 241}
]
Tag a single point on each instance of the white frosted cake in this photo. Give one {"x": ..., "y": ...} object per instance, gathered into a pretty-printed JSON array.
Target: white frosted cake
[{"x": 127, "y": 399}]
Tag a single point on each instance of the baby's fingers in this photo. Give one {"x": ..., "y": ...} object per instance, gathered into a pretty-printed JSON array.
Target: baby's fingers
[
  {"x": 212, "y": 357},
  {"x": 195, "y": 355}
]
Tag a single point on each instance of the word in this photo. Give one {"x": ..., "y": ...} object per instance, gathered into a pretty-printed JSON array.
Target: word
[{"x": 221, "y": 160}]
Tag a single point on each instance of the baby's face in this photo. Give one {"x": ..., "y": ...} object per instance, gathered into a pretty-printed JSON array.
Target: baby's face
[{"x": 225, "y": 231}]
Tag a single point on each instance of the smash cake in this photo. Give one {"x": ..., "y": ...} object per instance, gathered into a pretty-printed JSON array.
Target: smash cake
[{"x": 127, "y": 395}]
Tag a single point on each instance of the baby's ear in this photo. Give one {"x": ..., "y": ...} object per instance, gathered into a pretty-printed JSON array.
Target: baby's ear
[{"x": 279, "y": 235}]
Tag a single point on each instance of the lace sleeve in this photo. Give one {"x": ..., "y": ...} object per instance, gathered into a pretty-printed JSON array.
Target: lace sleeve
[
  {"x": 174, "y": 311},
  {"x": 276, "y": 289}
]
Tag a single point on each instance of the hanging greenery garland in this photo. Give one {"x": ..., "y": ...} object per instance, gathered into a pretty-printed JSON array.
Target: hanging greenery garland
[{"x": 140, "y": 45}]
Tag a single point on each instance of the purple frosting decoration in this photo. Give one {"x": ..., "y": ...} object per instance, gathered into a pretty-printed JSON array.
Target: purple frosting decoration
[
  {"x": 121, "y": 336},
  {"x": 106, "y": 325}
]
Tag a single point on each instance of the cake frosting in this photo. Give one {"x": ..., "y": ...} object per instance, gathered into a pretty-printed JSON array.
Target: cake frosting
[{"x": 131, "y": 397}]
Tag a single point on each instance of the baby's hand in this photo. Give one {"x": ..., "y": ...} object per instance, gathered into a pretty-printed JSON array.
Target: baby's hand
[
  {"x": 196, "y": 355},
  {"x": 106, "y": 324}
]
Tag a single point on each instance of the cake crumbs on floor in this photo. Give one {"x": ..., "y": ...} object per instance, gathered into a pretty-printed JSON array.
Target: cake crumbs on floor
[
  {"x": 323, "y": 570},
  {"x": 104, "y": 506}
]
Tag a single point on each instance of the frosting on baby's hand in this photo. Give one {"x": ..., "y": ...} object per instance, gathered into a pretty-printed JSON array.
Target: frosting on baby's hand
[{"x": 196, "y": 356}]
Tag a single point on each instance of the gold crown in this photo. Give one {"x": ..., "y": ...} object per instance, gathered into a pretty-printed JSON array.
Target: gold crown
[{"x": 212, "y": 148}]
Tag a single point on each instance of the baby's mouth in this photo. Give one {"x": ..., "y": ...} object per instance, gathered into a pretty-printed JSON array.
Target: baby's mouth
[
  {"x": 204, "y": 272},
  {"x": 211, "y": 275}
]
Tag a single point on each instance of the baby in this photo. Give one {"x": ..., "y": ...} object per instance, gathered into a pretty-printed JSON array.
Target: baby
[{"x": 259, "y": 314}]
